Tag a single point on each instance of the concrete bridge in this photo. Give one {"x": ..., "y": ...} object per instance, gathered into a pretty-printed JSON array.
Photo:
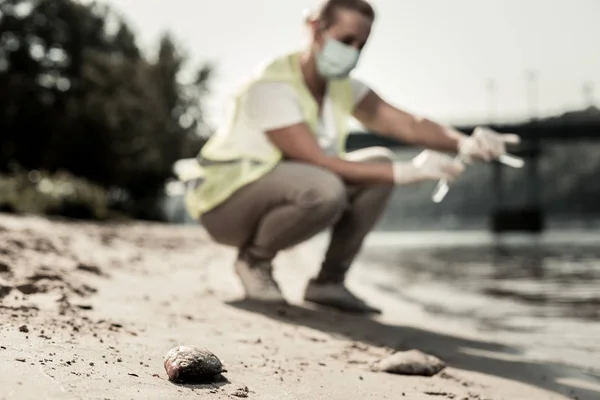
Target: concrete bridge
[{"x": 530, "y": 217}]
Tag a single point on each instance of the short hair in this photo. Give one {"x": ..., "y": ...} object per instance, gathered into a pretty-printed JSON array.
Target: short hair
[{"x": 326, "y": 11}]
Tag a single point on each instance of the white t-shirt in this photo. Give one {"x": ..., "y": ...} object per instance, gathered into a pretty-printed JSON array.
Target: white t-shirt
[{"x": 274, "y": 105}]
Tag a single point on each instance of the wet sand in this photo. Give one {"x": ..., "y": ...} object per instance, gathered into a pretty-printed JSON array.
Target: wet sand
[{"x": 88, "y": 311}]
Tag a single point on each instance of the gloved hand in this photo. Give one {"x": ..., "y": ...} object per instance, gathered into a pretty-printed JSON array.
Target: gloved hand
[
  {"x": 485, "y": 144},
  {"x": 427, "y": 165}
]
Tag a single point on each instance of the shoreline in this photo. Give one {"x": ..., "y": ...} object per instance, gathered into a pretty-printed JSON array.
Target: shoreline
[{"x": 102, "y": 305}]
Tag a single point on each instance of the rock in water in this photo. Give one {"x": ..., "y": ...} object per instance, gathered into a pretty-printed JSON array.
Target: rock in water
[
  {"x": 412, "y": 362},
  {"x": 191, "y": 364}
]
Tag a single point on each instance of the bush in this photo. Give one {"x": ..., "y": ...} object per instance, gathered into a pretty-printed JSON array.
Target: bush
[{"x": 59, "y": 193}]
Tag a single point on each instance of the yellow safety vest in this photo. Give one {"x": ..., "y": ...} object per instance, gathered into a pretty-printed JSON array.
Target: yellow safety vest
[{"x": 238, "y": 154}]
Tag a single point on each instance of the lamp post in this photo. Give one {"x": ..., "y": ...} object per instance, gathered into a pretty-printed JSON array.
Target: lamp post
[
  {"x": 588, "y": 94},
  {"x": 532, "y": 93},
  {"x": 492, "y": 101}
]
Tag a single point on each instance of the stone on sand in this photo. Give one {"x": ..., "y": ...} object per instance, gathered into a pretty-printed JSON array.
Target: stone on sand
[
  {"x": 411, "y": 362},
  {"x": 189, "y": 364}
]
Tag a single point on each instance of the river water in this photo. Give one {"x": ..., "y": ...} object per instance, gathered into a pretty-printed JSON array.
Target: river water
[{"x": 538, "y": 293}]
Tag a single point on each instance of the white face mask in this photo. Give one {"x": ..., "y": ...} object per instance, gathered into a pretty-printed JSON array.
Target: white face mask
[{"x": 336, "y": 59}]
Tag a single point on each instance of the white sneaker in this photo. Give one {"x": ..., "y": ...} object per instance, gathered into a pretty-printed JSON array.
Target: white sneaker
[{"x": 258, "y": 281}]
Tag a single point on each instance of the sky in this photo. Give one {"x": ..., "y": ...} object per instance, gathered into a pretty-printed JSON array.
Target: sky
[{"x": 431, "y": 57}]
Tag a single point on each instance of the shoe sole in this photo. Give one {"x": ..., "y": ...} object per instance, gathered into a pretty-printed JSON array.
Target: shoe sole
[{"x": 346, "y": 309}]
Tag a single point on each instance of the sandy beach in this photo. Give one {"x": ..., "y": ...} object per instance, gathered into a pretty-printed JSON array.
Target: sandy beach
[{"x": 88, "y": 311}]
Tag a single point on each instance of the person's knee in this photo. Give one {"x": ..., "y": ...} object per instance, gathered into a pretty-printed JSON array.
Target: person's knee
[
  {"x": 381, "y": 155},
  {"x": 325, "y": 196},
  {"x": 378, "y": 193}
]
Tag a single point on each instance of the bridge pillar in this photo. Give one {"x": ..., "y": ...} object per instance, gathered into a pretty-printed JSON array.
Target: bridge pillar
[{"x": 528, "y": 217}]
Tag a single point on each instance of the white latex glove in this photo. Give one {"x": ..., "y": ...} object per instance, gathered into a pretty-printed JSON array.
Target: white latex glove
[
  {"x": 427, "y": 165},
  {"x": 485, "y": 144}
]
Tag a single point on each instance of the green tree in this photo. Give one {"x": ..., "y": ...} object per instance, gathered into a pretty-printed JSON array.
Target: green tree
[{"x": 77, "y": 94}]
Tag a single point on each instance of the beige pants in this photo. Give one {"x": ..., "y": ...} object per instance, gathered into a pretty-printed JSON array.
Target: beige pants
[{"x": 296, "y": 201}]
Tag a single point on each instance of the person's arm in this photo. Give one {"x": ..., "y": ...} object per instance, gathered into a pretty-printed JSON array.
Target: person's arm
[
  {"x": 298, "y": 143},
  {"x": 273, "y": 108},
  {"x": 378, "y": 116}
]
